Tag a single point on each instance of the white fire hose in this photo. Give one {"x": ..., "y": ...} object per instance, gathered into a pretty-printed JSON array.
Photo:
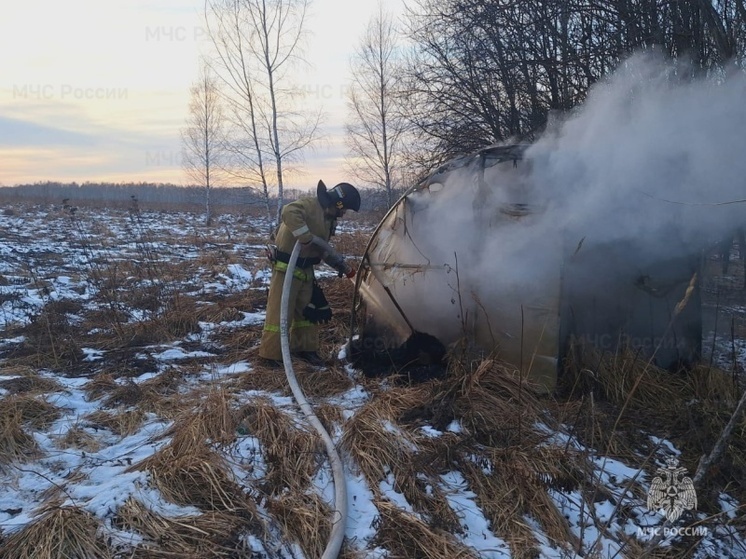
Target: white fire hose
[{"x": 336, "y": 537}]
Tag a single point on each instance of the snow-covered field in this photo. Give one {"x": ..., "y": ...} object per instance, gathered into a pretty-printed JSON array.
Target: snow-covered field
[{"x": 129, "y": 336}]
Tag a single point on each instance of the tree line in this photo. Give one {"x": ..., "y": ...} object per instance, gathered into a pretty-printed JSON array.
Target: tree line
[
  {"x": 160, "y": 196},
  {"x": 492, "y": 71},
  {"x": 445, "y": 79}
]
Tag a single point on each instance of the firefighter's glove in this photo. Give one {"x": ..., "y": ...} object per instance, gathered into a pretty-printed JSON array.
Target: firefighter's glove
[
  {"x": 339, "y": 264},
  {"x": 317, "y": 311}
]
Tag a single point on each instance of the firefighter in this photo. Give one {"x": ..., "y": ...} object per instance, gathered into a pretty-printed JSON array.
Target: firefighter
[{"x": 311, "y": 221}]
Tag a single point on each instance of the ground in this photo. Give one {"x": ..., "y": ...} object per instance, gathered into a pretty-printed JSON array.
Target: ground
[{"x": 137, "y": 422}]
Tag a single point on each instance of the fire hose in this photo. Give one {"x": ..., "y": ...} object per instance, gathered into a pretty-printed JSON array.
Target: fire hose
[{"x": 336, "y": 537}]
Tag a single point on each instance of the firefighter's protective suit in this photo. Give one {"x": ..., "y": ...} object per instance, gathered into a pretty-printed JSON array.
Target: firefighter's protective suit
[{"x": 300, "y": 221}]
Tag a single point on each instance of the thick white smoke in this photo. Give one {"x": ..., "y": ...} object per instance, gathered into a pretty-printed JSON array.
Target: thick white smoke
[
  {"x": 649, "y": 157},
  {"x": 649, "y": 162}
]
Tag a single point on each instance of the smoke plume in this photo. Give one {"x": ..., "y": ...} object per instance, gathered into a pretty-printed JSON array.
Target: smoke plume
[
  {"x": 649, "y": 157},
  {"x": 653, "y": 162}
]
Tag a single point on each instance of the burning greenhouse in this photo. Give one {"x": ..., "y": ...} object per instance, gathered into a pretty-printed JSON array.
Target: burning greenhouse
[{"x": 471, "y": 254}]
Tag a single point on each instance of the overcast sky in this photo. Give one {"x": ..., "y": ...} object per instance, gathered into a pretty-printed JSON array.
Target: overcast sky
[{"x": 98, "y": 91}]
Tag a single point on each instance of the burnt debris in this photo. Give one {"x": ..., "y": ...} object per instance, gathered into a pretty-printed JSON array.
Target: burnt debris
[{"x": 420, "y": 358}]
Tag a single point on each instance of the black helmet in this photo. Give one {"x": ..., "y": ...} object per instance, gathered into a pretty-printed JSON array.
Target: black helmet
[{"x": 343, "y": 196}]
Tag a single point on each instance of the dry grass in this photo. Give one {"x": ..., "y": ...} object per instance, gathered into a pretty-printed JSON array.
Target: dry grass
[
  {"x": 622, "y": 397},
  {"x": 327, "y": 382},
  {"x": 194, "y": 474},
  {"x": 214, "y": 421},
  {"x": 615, "y": 401},
  {"x": 164, "y": 394},
  {"x": 230, "y": 307},
  {"x": 511, "y": 484},
  {"x": 165, "y": 383},
  {"x": 211, "y": 535},
  {"x": 99, "y": 386},
  {"x": 713, "y": 384},
  {"x": 494, "y": 404},
  {"x": 498, "y": 412},
  {"x": 162, "y": 330},
  {"x": 329, "y": 415},
  {"x": 264, "y": 379},
  {"x": 50, "y": 338},
  {"x": 241, "y": 343},
  {"x": 219, "y": 312},
  {"x": 59, "y": 532},
  {"x": 29, "y": 410},
  {"x": 292, "y": 452},
  {"x": 406, "y": 536},
  {"x": 381, "y": 447},
  {"x": 128, "y": 394},
  {"x": 27, "y": 380},
  {"x": 322, "y": 383},
  {"x": 78, "y": 437},
  {"x": 189, "y": 471},
  {"x": 122, "y": 422},
  {"x": 303, "y": 518},
  {"x": 620, "y": 377},
  {"x": 374, "y": 442},
  {"x": 15, "y": 442},
  {"x": 159, "y": 395}
]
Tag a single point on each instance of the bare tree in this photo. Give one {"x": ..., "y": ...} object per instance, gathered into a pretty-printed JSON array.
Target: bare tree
[
  {"x": 203, "y": 139},
  {"x": 257, "y": 45},
  {"x": 484, "y": 72},
  {"x": 375, "y": 125}
]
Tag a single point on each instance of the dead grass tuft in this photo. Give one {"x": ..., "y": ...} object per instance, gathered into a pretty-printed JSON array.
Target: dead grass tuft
[
  {"x": 27, "y": 380},
  {"x": 329, "y": 415},
  {"x": 50, "y": 339},
  {"x": 78, "y": 437},
  {"x": 304, "y": 518},
  {"x": 15, "y": 442},
  {"x": 712, "y": 384},
  {"x": 210, "y": 535},
  {"x": 127, "y": 394},
  {"x": 314, "y": 382},
  {"x": 165, "y": 383},
  {"x": 29, "y": 409},
  {"x": 264, "y": 379},
  {"x": 196, "y": 475},
  {"x": 383, "y": 449},
  {"x": 494, "y": 404},
  {"x": 405, "y": 535},
  {"x": 219, "y": 312},
  {"x": 511, "y": 485},
  {"x": 180, "y": 318},
  {"x": 373, "y": 440},
  {"x": 291, "y": 451},
  {"x": 214, "y": 421},
  {"x": 327, "y": 382},
  {"x": 623, "y": 377},
  {"x": 163, "y": 395},
  {"x": 621, "y": 397},
  {"x": 174, "y": 321},
  {"x": 240, "y": 344},
  {"x": 149, "y": 395},
  {"x": 67, "y": 532},
  {"x": 100, "y": 385},
  {"x": 498, "y": 412},
  {"x": 122, "y": 422}
]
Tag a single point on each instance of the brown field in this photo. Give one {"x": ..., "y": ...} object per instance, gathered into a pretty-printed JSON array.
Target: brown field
[{"x": 226, "y": 466}]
